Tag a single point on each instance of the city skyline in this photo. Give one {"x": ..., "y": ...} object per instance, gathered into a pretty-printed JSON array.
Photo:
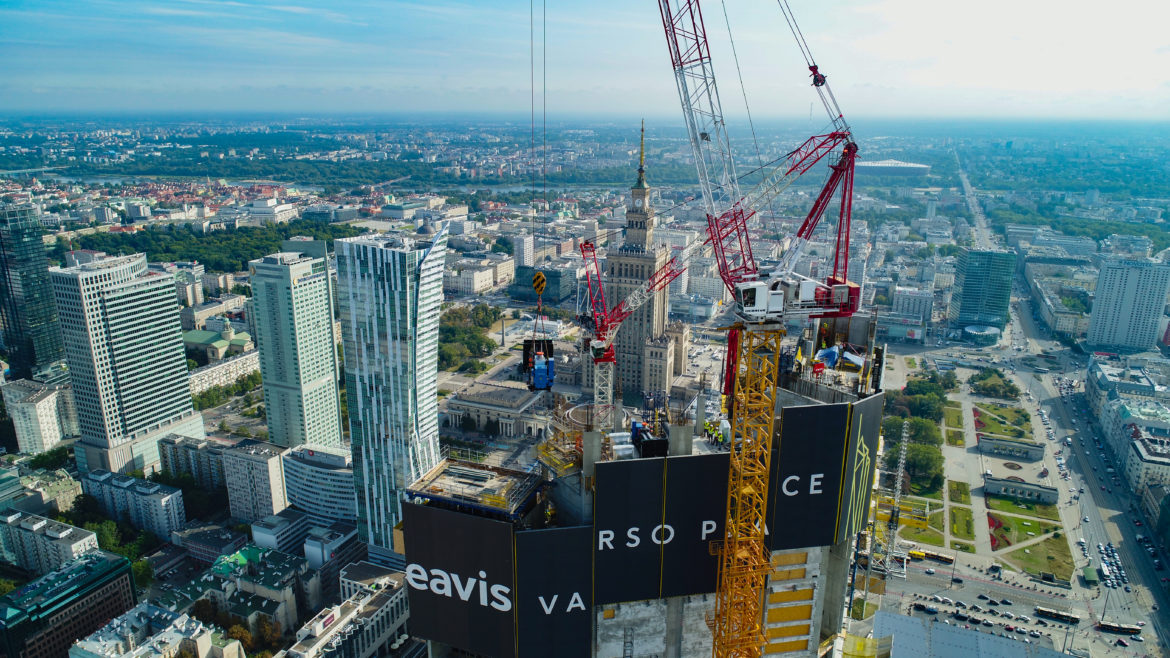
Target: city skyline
[{"x": 885, "y": 59}]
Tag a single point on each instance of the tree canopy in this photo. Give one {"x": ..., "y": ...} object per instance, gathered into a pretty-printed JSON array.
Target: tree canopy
[{"x": 219, "y": 251}]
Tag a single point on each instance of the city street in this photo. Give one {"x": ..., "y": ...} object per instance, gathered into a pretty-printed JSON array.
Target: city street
[{"x": 1104, "y": 502}]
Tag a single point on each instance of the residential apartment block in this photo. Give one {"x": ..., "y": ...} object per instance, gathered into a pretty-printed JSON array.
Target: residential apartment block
[
  {"x": 255, "y": 480},
  {"x": 148, "y": 505},
  {"x": 41, "y": 545}
]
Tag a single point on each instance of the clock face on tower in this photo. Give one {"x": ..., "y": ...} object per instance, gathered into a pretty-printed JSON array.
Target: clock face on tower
[{"x": 637, "y": 203}]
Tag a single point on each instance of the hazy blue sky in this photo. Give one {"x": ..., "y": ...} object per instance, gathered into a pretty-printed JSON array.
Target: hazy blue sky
[{"x": 885, "y": 58}]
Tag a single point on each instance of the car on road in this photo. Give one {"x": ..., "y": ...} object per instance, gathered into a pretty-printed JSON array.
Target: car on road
[
  {"x": 956, "y": 579},
  {"x": 929, "y": 572},
  {"x": 1122, "y": 643},
  {"x": 982, "y": 597},
  {"x": 931, "y": 610},
  {"x": 1005, "y": 602}
]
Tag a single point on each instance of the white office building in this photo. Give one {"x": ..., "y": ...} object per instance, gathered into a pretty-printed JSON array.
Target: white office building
[
  {"x": 292, "y": 313},
  {"x": 913, "y": 302},
  {"x": 524, "y": 250},
  {"x": 319, "y": 482},
  {"x": 126, "y": 361},
  {"x": 390, "y": 289},
  {"x": 1128, "y": 305}
]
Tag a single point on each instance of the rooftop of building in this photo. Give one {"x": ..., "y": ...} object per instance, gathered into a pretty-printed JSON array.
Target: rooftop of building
[
  {"x": 256, "y": 451},
  {"x": 920, "y": 637},
  {"x": 138, "y": 486},
  {"x": 263, "y": 566},
  {"x": 473, "y": 483},
  {"x": 389, "y": 241},
  {"x": 336, "y": 531},
  {"x": 325, "y": 627},
  {"x": 284, "y": 258},
  {"x": 513, "y": 395},
  {"x": 286, "y": 517},
  {"x": 242, "y": 604},
  {"x": 145, "y": 630},
  {"x": 1143, "y": 411},
  {"x": 327, "y": 457},
  {"x": 373, "y": 576},
  {"x": 50, "y": 482},
  {"x": 60, "y": 584},
  {"x": 210, "y": 534},
  {"x": 1152, "y": 450},
  {"x": 55, "y": 530},
  {"x": 105, "y": 263},
  {"x": 216, "y": 338}
]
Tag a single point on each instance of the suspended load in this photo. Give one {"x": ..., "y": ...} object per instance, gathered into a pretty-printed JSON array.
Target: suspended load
[{"x": 538, "y": 364}]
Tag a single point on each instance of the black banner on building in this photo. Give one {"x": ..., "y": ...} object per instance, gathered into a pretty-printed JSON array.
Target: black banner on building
[
  {"x": 459, "y": 579},
  {"x": 628, "y": 537},
  {"x": 554, "y": 589},
  {"x": 696, "y": 506},
  {"x": 807, "y": 470}
]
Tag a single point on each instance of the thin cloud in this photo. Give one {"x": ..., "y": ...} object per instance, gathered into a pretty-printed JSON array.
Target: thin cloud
[{"x": 172, "y": 11}]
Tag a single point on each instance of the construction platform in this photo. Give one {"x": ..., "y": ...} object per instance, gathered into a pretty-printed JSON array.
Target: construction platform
[{"x": 469, "y": 482}]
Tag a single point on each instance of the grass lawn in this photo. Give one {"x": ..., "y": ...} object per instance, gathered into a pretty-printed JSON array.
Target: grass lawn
[
  {"x": 911, "y": 363},
  {"x": 862, "y": 609},
  {"x": 936, "y": 520},
  {"x": 954, "y": 417},
  {"x": 959, "y": 492},
  {"x": 963, "y": 546},
  {"x": 955, "y": 438},
  {"x": 495, "y": 328},
  {"x": 1038, "y": 510},
  {"x": 1012, "y": 414},
  {"x": 1015, "y": 529},
  {"x": 990, "y": 424},
  {"x": 962, "y": 523},
  {"x": 922, "y": 536},
  {"x": 953, "y": 404},
  {"x": 1051, "y": 555},
  {"x": 933, "y": 494}
]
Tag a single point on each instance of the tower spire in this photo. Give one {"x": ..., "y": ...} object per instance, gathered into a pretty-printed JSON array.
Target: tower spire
[{"x": 642, "y": 159}]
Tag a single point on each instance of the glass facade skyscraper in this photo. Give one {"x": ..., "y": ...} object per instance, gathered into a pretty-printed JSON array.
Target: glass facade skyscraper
[
  {"x": 390, "y": 290},
  {"x": 28, "y": 312},
  {"x": 983, "y": 288}
]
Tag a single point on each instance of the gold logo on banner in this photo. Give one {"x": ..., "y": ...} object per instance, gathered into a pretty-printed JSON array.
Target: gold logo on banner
[{"x": 859, "y": 489}]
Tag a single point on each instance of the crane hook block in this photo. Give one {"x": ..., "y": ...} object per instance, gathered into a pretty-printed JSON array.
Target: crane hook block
[{"x": 819, "y": 78}]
